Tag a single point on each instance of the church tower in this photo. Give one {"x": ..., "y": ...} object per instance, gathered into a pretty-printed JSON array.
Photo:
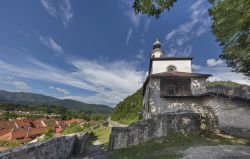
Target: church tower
[
  {"x": 157, "y": 52},
  {"x": 159, "y": 63}
]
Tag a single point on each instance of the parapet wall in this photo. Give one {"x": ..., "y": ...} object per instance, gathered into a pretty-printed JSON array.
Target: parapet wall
[
  {"x": 242, "y": 92},
  {"x": 158, "y": 126},
  {"x": 56, "y": 148}
]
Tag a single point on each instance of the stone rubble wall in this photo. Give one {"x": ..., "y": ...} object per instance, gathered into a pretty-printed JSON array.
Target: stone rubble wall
[
  {"x": 231, "y": 106},
  {"x": 242, "y": 92},
  {"x": 233, "y": 114},
  {"x": 56, "y": 148},
  {"x": 158, "y": 126}
]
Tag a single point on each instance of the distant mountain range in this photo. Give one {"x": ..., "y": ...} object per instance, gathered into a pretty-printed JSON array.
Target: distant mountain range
[{"x": 23, "y": 98}]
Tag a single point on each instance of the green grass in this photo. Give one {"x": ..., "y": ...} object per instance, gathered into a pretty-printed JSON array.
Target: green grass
[
  {"x": 224, "y": 83},
  {"x": 170, "y": 146},
  {"x": 9, "y": 144},
  {"x": 102, "y": 134},
  {"x": 74, "y": 128}
]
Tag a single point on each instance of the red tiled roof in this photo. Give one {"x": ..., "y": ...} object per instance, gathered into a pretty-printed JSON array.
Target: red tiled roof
[
  {"x": 14, "y": 134},
  {"x": 180, "y": 75},
  {"x": 19, "y": 133},
  {"x": 22, "y": 133},
  {"x": 4, "y": 131},
  {"x": 58, "y": 130},
  {"x": 22, "y": 122},
  {"x": 36, "y": 131},
  {"x": 60, "y": 124},
  {"x": 38, "y": 123},
  {"x": 7, "y": 124}
]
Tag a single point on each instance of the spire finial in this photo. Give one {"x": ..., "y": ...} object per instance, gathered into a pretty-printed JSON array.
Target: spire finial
[
  {"x": 157, "y": 44},
  {"x": 157, "y": 52}
]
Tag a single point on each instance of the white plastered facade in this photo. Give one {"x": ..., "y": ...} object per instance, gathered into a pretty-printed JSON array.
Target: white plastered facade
[{"x": 159, "y": 66}]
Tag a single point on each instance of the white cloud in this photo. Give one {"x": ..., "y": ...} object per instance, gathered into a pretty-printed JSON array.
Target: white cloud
[
  {"x": 50, "y": 43},
  {"x": 222, "y": 73},
  {"x": 110, "y": 82},
  {"x": 140, "y": 55},
  {"x": 60, "y": 90},
  {"x": 196, "y": 67},
  {"x": 130, "y": 32},
  {"x": 47, "y": 4},
  {"x": 183, "y": 50},
  {"x": 214, "y": 62},
  {"x": 66, "y": 12},
  {"x": 19, "y": 85},
  {"x": 63, "y": 10},
  {"x": 134, "y": 19},
  {"x": 198, "y": 24}
]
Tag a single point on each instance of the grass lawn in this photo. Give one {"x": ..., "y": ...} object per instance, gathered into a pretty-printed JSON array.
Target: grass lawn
[
  {"x": 102, "y": 134},
  {"x": 171, "y": 145},
  {"x": 4, "y": 144}
]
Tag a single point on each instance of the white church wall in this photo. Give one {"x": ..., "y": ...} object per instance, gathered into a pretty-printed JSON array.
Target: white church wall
[{"x": 181, "y": 65}]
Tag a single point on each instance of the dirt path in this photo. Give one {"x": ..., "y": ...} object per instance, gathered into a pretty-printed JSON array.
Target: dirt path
[{"x": 95, "y": 150}]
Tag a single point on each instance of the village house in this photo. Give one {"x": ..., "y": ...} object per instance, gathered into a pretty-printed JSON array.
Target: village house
[{"x": 25, "y": 130}]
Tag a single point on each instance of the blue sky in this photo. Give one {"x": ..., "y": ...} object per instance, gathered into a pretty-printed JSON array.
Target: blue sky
[{"x": 98, "y": 51}]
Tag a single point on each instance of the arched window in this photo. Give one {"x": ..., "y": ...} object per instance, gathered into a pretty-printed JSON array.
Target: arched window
[{"x": 171, "y": 68}]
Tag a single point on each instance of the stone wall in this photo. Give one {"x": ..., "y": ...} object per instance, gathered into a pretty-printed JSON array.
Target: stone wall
[
  {"x": 231, "y": 106},
  {"x": 233, "y": 114},
  {"x": 242, "y": 92},
  {"x": 56, "y": 148},
  {"x": 158, "y": 126}
]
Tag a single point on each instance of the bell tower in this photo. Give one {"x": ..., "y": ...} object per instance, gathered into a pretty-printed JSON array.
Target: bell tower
[{"x": 157, "y": 52}]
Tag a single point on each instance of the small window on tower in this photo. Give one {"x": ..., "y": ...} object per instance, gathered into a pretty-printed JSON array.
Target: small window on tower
[{"x": 171, "y": 69}]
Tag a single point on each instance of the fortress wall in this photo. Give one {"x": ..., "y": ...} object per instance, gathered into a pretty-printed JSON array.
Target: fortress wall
[
  {"x": 56, "y": 148},
  {"x": 158, "y": 126},
  {"x": 233, "y": 113}
]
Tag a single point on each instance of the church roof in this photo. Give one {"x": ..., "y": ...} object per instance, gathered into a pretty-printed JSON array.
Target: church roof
[{"x": 180, "y": 75}]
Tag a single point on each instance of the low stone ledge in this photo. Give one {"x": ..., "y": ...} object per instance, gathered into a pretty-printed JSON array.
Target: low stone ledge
[
  {"x": 56, "y": 148},
  {"x": 158, "y": 126}
]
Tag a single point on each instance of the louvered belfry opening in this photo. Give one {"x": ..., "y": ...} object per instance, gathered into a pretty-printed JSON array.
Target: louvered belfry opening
[{"x": 175, "y": 87}]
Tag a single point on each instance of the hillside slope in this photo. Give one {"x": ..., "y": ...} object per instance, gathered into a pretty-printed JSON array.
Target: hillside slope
[
  {"x": 39, "y": 99},
  {"x": 127, "y": 111}
]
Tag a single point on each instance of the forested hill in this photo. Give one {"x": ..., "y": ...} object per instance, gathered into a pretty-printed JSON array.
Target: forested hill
[
  {"x": 33, "y": 99},
  {"x": 127, "y": 111}
]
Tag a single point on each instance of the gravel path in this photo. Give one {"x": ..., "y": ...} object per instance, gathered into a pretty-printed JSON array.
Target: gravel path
[{"x": 218, "y": 152}]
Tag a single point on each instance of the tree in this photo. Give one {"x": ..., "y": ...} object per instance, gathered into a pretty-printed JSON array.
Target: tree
[
  {"x": 231, "y": 26},
  {"x": 152, "y": 7}
]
